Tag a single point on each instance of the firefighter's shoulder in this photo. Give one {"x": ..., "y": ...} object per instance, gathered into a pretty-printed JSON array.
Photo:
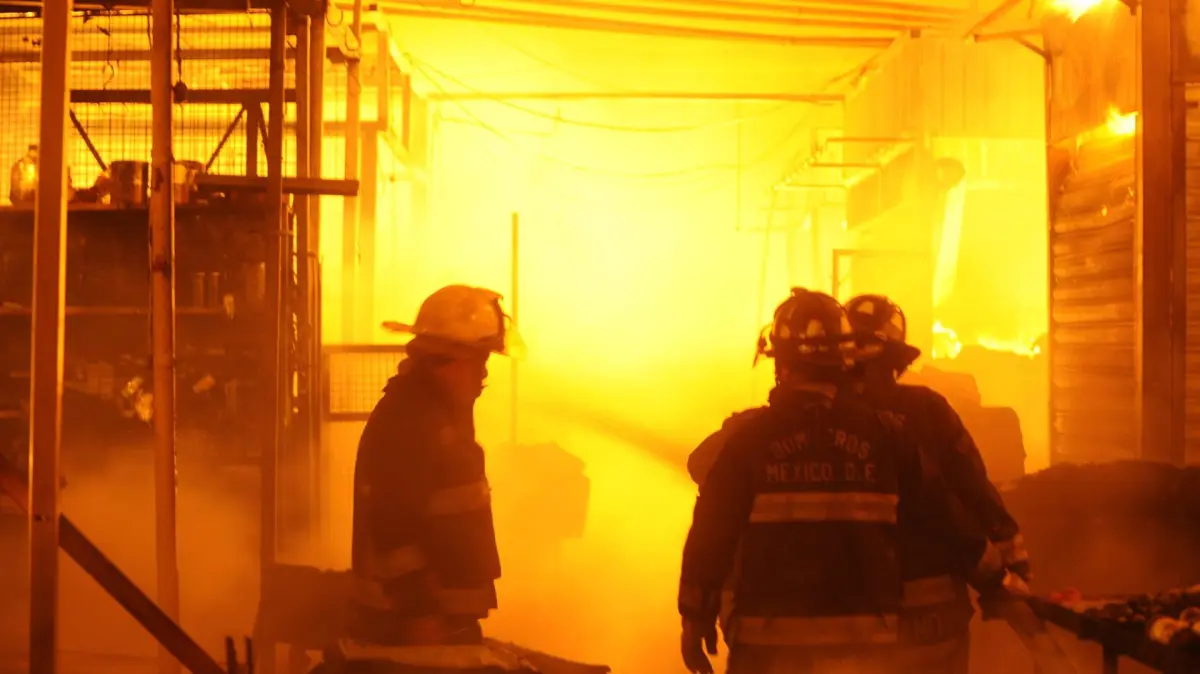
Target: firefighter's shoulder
[
  {"x": 705, "y": 455},
  {"x": 933, "y": 404}
]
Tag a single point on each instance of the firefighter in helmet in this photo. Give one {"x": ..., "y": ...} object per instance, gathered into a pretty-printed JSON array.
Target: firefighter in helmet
[
  {"x": 937, "y": 612},
  {"x": 424, "y": 547},
  {"x": 807, "y": 493}
]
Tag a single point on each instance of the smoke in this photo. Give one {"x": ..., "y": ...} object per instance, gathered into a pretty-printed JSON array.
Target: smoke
[{"x": 112, "y": 502}]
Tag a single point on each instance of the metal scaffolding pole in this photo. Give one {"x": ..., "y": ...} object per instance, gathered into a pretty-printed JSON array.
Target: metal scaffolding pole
[
  {"x": 49, "y": 299},
  {"x": 350, "y": 212},
  {"x": 275, "y": 229},
  {"x": 316, "y": 134},
  {"x": 298, "y": 464},
  {"x": 162, "y": 297}
]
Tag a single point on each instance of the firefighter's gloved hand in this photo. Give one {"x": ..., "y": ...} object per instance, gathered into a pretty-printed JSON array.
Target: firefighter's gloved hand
[
  {"x": 1022, "y": 569},
  {"x": 696, "y": 640}
]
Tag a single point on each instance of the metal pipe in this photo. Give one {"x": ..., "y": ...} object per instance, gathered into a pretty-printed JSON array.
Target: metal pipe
[
  {"x": 438, "y": 96},
  {"x": 991, "y": 17},
  {"x": 46, "y": 359},
  {"x": 916, "y": 15},
  {"x": 274, "y": 229},
  {"x": 162, "y": 314},
  {"x": 316, "y": 120},
  {"x": 515, "y": 287},
  {"x": 795, "y": 20},
  {"x": 549, "y": 20},
  {"x": 350, "y": 214},
  {"x": 298, "y": 476}
]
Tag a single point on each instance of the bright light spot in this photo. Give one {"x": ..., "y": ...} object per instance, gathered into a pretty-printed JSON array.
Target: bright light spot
[
  {"x": 945, "y": 342},
  {"x": 1121, "y": 125},
  {"x": 946, "y": 345},
  {"x": 1019, "y": 348},
  {"x": 1074, "y": 8}
]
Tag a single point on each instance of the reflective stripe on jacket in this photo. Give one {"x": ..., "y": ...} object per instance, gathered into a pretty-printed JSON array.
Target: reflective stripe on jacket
[
  {"x": 791, "y": 490},
  {"x": 423, "y": 530}
]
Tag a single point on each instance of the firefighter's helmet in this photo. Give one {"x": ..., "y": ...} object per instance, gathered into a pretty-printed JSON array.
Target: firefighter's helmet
[
  {"x": 809, "y": 327},
  {"x": 880, "y": 328},
  {"x": 458, "y": 320}
]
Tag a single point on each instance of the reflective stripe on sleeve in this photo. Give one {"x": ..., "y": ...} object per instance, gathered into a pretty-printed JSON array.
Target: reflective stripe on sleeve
[
  {"x": 824, "y": 507},
  {"x": 462, "y": 499},
  {"x": 824, "y": 631},
  {"x": 933, "y": 591}
]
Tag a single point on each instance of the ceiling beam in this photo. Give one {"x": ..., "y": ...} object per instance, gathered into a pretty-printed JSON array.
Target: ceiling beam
[
  {"x": 515, "y": 17},
  {"x": 634, "y": 95}
]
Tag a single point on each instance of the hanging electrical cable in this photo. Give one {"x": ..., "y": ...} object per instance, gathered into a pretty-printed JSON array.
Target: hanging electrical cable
[{"x": 432, "y": 73}]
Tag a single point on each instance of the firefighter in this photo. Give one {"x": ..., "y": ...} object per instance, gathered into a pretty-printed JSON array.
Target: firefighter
[
  {"x": 808, "y": 492},
  {"x": 424, "y": 548},
  {"x": 935, "y": 622}
]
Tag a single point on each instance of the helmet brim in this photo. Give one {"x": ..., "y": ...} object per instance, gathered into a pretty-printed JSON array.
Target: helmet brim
[{"x": 513, "y": 346}]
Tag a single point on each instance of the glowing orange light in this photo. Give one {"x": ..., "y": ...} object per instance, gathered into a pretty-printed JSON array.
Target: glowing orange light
[
  {"x": 945, "y": 342},
  {"x": 1121, "y": 125},
  {"x": 1075, "y": 8}
]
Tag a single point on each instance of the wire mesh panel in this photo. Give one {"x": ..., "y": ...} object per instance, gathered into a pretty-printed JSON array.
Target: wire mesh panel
[
  {"x": 221, "y": 73},
  {"x": 355, "y": 376}
]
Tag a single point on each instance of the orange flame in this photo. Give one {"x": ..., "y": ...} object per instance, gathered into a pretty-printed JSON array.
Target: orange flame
[
  {"x": 1074, "y": 8},
  {"x": 1121, "y": 125}
]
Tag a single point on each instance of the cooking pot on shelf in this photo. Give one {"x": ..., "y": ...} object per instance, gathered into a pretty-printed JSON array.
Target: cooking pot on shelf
[
  {"x": 185, "y": 180},
  {"x": 126, "y": 184}
]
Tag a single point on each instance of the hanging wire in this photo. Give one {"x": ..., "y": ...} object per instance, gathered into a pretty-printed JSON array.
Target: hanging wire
[
  {"x": 772, "y": 148},
  {"x": 432, "y": 73}
]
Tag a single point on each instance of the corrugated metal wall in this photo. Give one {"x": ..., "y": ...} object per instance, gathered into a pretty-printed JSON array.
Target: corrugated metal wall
[
  {"x": 1192, "y": 382},
  {"x": 1093, "y": 294}
]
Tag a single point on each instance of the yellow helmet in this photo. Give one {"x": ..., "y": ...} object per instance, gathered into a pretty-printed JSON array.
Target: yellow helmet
[{"x": 460, "y": 319}]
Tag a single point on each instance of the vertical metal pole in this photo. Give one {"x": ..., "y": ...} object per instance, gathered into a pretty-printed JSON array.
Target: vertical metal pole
[
  {"x": 162, "y": 297},
  {"x": 49, "y": 288},
  {"x": 350, "y": 209},
  {"x": 514, "y": 399},
  {"x": 316, "y": 120},
  {"x": 1051, "y": 187},
  {"x": 298, "y": 478},
  {"x": 274, "y": 230},
  {"x": 1160, "y": 166},
  {"x": 253, "y": 118}
]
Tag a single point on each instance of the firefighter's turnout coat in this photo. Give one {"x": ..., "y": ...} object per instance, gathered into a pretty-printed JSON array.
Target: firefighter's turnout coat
[
  {"x": 423, "y": 531},
  {"x": 812, "y": 489},
  {"x": 937, "y": 605}
]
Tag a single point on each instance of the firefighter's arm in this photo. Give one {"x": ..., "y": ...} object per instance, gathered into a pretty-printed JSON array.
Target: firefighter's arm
[
  {"x": 701, "y": 460},
  {"x": 930, "y": 503},
  {"x": 394, "y": 478},
  {"x": 721, "y": 514},
  {"x": 964, "y": 469}
]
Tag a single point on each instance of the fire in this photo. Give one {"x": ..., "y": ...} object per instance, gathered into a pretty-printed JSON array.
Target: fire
[
  {"x": 946, "y": 345},
  {"x": 1121, "y": 125},
  {"x": 1074, "y": 8},
  {"x": 945, "y": 342}
]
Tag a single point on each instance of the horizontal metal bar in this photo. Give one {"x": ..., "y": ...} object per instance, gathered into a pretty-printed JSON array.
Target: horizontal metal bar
[
  {"x": 560, "y": 21},
  {"x": 634, "y": 95},
  {"x": 190, "y": 6},
  {"x": 335, "y": 54},
  {"x": 797, "y": 187},
  {"x": 866, "y": 140},
  {"x": 198, "y": 96},
  {"x": 843, "y": 165},
  {"x": 302, "y": 186}
]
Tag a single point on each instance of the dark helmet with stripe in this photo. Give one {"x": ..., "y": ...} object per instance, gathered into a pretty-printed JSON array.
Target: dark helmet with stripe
[
  {"x": 881, "y": 330},
  {"x": 808, "y": 328}
]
